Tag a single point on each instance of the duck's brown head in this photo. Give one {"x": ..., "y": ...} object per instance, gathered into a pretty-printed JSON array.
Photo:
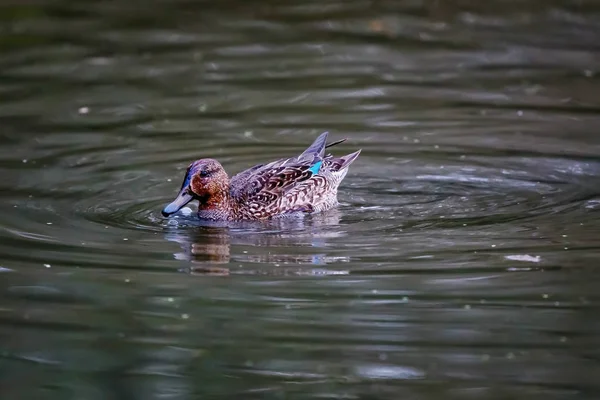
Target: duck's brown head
[{"x": 206, "y": 181}]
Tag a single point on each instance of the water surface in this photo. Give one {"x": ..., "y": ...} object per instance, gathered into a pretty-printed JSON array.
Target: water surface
[{"x": 462, "y": 263}]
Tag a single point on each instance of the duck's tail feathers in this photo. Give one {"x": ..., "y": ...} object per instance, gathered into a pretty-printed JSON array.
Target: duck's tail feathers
[
  {"x": 315, "y": 149},
  {"x": 336, "y": 142},
  {"x": 348, "y": 159}
]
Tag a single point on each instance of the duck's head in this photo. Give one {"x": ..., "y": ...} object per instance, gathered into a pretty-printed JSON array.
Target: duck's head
[{"x": 206, "y": 181}]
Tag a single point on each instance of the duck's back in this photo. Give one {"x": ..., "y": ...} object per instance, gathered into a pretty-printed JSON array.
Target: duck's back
[{"x": 307, "y": 183}]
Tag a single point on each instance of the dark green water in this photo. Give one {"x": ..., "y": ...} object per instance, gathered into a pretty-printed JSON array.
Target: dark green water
[{"x": 462, "y": 264}]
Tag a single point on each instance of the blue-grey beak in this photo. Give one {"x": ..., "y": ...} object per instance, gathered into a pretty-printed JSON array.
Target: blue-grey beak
[{"x": 182, "y": 199}]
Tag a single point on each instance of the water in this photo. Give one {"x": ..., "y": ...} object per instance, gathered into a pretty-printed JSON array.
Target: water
[{"x": 461, "y": 264}]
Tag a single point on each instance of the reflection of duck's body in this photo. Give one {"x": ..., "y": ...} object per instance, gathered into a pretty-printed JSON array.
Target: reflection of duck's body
[
  {"x": 304, "y": 184},
  {"x": 289, "y": 243}
]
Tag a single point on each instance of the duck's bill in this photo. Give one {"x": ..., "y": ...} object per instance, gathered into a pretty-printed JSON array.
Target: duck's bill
[{"x": 182, "y": 199}]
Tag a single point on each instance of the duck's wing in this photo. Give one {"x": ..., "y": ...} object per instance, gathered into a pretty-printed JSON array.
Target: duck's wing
[
  {"x": 303, "y": 188},
  {"x": 316, "y": 149},
  {"x": 264, "y": 184}
]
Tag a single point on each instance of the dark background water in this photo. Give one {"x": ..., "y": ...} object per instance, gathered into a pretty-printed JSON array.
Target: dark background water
[{"x": 463, "y": 262}]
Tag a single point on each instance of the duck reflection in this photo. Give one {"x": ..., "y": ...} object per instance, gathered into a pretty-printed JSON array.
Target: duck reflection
[{"x": 255, "y": 248}]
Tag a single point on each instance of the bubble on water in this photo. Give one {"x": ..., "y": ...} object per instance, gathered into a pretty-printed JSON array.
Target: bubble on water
[
  {"x": 47, "y": 265},
  {"x": 83, "y": 110},
  {"x": 520, "y": 269},
  {"x": 186, "y": 211},
  {"x": 523, "y": 257}
]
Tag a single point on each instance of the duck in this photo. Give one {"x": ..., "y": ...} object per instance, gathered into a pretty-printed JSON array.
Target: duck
[{"x": 295, "y": 186}]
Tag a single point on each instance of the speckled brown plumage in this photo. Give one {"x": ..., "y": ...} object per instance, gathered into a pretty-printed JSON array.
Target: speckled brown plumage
[{"x": 303, "y": 184}]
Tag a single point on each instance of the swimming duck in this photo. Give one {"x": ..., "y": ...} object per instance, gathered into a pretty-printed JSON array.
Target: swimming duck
[{"x": 290, "y": 186}]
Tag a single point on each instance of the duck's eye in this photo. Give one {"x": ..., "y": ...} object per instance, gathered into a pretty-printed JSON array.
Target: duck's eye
[{"x": 204, "y": 173}]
